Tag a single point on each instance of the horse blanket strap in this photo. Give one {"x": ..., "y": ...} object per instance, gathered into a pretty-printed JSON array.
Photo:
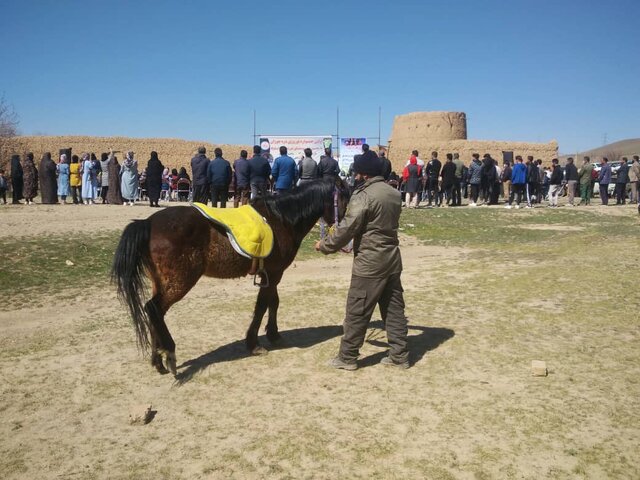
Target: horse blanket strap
[{"x": 248, "y": 232}]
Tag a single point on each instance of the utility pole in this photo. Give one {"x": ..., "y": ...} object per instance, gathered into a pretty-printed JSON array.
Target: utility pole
[
  {"x": 604, "y": 138},
  {"x": 254, "y": 127},
  {"x": 379, "y": 117},
  {"x": 338, "y": 130}
]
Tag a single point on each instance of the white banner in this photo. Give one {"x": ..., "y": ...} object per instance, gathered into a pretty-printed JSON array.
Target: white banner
[
  {"x": 295, "y": 145},
  {"x": 349, "y": 148}
]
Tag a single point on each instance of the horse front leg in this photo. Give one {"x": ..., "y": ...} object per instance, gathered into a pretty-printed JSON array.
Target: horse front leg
[{"x": 262, "y": 303}]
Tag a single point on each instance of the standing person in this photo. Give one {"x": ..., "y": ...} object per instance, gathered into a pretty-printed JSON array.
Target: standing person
[
  {"x": 604, "y": 179},
  {"x": 30, "y": 173},
  {"x": 155, "y": 170},
  {"x": 3, "y": 187},
  {"x": 307, "y": 168},
  {"x": 371, "y": 220},
  {"x": 48, "y": 181},
  {"x": 621, "y": 182},
  {"x": 555, "y": 183},
  {"x": 488, "y": 178},
  {"x": 63, "y": 179},
  {"x": 219, "y": 177},
  {"x": 104, "y": 177},
  {"x": 385, "y": 165},
  {"x": 518, "y": 182},
  {"x": 571, "y": 176},
  {"x": 533, "y": 180},
  {"x": 634, "y": 178},
  {"x": 328, "y": 166},
  {"x": 75, "y": 180},
  {"x": 284, "y": 171},
  {"x": 542, "y": 181},
  {"x": 422, "y": 187},
  {"x": 242, "y": 188},
  {"x": 584, "y": 177},
  {"x": 411, "y": 178},
  {"x": 432, "y": 172},
  {"x": 475, "y": 179},
  {"x": 89, "y": 180},
  {"x": 505, "y": 178},
  {"x": 199, "y": 166},
  {"x": 114, "y": 195},
  {"x": 97, "y": 168},
  {"x": 497, "y": 183},
  {"x": 457, "y": 185},
  {"x": 129, "y": 179},
  {"x": 448, "y": 179},
  {"x": 17, "y": 180},
  {"x": 259, "y": 171}
]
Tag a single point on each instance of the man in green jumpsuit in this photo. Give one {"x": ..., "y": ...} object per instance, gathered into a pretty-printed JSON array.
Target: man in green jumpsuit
[{"x": 371, "y": 220}]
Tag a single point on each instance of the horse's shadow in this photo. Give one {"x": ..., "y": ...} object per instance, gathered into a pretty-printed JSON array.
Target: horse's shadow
[{"x": 428, "y": 339}]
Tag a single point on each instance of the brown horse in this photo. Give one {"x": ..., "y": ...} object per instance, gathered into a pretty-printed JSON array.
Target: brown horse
[{"x": 182, "y": 236}]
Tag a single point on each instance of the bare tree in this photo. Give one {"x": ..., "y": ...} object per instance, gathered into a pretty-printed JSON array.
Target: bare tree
[{"x": 8, "y": 130}]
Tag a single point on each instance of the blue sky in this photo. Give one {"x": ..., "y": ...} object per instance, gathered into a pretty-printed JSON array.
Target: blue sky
[{"x": 521, "y": 70}]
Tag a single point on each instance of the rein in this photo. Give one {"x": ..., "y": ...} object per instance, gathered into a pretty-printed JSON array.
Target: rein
[{"x": 335, "y": 205}]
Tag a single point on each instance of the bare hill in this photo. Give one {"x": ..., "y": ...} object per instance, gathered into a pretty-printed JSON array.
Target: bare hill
[{"x": 613, "y": 151}]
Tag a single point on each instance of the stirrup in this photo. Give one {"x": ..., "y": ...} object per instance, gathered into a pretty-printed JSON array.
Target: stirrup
[{"x": 264, "y": 279}]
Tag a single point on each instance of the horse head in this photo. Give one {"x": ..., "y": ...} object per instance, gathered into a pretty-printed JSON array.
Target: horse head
[{"x": 335, "y": 208}]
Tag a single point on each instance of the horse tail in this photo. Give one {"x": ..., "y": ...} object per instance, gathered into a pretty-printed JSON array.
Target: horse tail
[{"x": 130, "y": 263}]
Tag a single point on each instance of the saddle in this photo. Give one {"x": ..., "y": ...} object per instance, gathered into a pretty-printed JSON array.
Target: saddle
[{"x": 249, "y": 234}]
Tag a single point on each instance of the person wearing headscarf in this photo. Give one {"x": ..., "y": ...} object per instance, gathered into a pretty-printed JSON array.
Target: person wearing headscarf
[
  {"x": 89, "y": 180},
  {"x": 63, "y": 178},
  {"x": 155, "y": 171},
  {"x": 104, "y": 177},
  {"x": 129, "y": 179},
  {"x": 17, "y": 179},
  {"x": 30, "y": 190},
  {"x": 75, "y": 180},
  {"x": 411, "y": 177},
  {"x": 48, "y": 182},
  {"x": 114, "y": 197}
]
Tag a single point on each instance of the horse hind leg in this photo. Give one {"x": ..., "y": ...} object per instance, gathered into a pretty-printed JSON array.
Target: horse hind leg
[{"x": 163, "y": 354}]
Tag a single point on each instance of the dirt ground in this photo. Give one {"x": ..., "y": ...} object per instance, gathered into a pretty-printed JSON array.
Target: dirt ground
[{"x": 468, "y": 408}]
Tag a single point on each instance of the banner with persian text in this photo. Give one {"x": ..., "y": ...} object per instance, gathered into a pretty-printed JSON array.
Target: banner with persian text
[
  {"x": 270, "y": 144},
  {"x": 349, "y": 148}
]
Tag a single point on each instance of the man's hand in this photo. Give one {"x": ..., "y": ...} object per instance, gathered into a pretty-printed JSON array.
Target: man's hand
[{"x": 317, "y": 246}]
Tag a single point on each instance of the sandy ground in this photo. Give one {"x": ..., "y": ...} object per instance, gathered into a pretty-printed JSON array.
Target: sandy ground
[{"x": 468, "y": 408}]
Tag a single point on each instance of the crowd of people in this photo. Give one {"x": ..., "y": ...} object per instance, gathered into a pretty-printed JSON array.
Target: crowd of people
[
  {"x": 86, "y": 180},
  {"x": 527, "y": 183}
]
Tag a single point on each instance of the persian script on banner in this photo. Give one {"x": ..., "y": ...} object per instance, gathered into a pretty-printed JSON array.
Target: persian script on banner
[
  {"x": 349, "y": 148},
  {"x": 295, "y": 145}
]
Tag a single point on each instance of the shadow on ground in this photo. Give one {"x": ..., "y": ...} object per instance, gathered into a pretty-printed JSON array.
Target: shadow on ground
[
  {"x": 295, "y": 338},
  {"x": 428, "y": 338}
]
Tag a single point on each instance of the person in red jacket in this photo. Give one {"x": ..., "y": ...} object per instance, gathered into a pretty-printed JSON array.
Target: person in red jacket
[{"x": 411, "y": 177}]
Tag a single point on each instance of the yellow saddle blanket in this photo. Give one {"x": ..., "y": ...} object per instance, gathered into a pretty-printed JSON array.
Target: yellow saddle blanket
[{"x": 249, "y": 233}]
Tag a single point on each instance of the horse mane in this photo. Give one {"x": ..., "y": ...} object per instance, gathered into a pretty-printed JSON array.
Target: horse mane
[{"x": 301, "y": 203}]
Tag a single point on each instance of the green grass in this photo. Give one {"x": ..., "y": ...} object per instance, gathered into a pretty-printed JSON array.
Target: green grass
[
  {"x": 497, "y": 228},
  {"x": 32, "y": 267}
]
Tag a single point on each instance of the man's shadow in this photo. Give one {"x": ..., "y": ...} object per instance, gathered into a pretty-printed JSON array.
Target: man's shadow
[{"x": 428, "y": 339}]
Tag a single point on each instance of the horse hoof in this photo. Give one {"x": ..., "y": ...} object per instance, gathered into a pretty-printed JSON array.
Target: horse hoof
[
  {"x": 274, "y": 338},
  {"x": 170, "y": 361},
  {"x": 259, "y": 350},
  {"x": 161, "y": 370}
]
